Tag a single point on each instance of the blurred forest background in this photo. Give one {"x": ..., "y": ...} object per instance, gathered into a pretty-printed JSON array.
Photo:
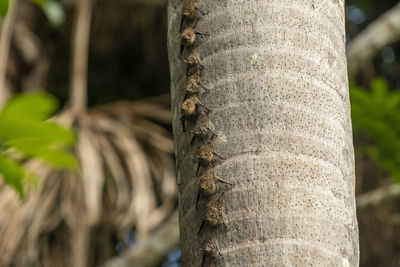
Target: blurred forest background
[{"x": 118, "y": 208}]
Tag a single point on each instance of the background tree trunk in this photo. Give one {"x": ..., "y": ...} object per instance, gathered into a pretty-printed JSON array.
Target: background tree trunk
[{"x": 277, "y": 75}]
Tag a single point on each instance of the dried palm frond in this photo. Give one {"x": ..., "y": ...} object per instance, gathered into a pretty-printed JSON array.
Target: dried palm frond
[{"x": 126, "y": 181}]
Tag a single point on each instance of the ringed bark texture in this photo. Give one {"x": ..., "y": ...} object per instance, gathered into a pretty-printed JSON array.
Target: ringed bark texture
[{"x": 277, "y": 94}]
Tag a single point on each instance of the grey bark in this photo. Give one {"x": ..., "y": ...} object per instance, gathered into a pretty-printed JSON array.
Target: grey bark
[{"x": 278, "y": 95}]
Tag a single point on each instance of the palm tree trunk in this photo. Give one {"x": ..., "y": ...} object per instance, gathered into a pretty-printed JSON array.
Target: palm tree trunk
[{"x": 280, "y": 113}]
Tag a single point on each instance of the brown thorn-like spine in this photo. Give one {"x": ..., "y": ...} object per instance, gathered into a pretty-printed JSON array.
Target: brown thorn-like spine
[{"x": 201, "y": 226}]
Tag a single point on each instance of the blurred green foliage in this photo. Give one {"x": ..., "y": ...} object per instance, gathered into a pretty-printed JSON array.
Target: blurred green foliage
[
  {"x": 3, "y": 7},
  {"x": 25, "y": 133},
  {"x": 54, "y": 10},
  {"x": 376, "y": 116}
]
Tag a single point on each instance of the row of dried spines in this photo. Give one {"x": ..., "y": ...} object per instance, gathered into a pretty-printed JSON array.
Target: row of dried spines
[
  {"x": 203, "y": 130},
  {"x": 191, "y": 104},
  {"x": 193, "y": 110},
  {"x": 214, "y": 210},
  {"x": 190, "y": 108}
]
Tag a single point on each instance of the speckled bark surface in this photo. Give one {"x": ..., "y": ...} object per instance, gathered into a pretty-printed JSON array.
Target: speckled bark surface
[{"x": 278, "y": 95}]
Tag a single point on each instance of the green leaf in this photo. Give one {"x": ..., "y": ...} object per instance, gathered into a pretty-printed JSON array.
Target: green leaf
[
  {"x": 13, "y": 174},
  {"x": 4, "y": 7},
  {"x": 23, "y": 128},
  {"x": 58, "y": 158},
  {"x": 43, "y": 134},
  {"x": 35, "y": 149},
  {"x": 37, "y": 106}
]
